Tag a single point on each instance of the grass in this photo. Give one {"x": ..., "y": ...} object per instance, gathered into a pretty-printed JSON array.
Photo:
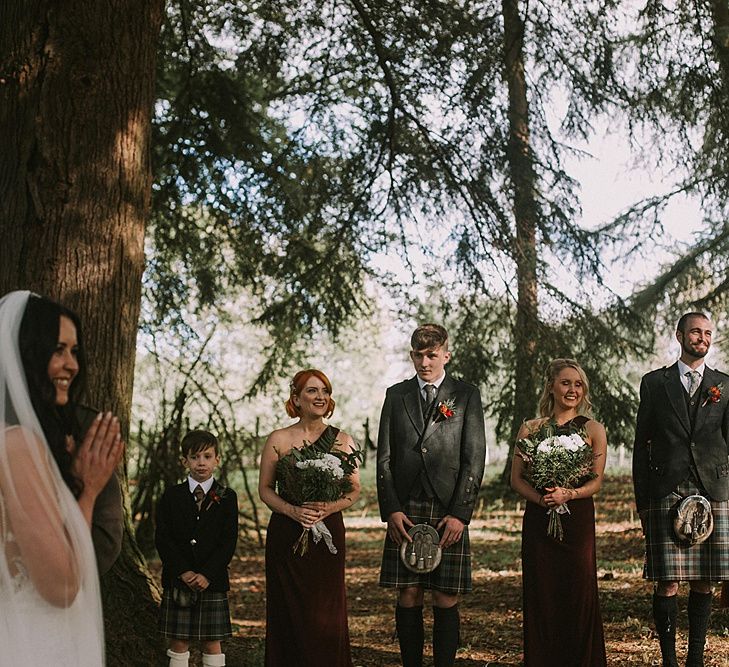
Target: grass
[{"x": 491, "y": 615}]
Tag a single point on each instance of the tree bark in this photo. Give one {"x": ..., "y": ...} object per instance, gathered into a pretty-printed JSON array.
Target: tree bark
[
  {"x": 523, "y": 181},
  {"x": 76, "y": 96}
]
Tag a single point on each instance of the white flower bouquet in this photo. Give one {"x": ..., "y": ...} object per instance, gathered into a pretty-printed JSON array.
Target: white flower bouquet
[
  {"x": 556, "y": 460},
  {"x": 316, "y": 472}
]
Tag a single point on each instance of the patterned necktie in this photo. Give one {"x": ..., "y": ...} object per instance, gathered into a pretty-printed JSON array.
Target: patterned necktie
[
  {"x": 694, "y": 381},
  {"x": 429, "y": 396},
  {"x": 199, "y": 496}
]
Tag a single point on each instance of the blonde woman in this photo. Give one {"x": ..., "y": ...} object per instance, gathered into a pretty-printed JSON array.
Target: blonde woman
[{"x": 562, "y": 621}]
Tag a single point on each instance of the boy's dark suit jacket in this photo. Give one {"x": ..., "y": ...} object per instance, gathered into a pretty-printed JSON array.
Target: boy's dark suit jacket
[
  {"x": 665, "y": 442},
  {"x": 214, "y": 533},
  {"x": 452, "y": 450}
]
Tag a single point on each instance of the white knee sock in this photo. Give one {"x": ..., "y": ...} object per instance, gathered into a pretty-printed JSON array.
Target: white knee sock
[
  {"x": 213, "y": 659},
  {"x": 178, "y": 659}
]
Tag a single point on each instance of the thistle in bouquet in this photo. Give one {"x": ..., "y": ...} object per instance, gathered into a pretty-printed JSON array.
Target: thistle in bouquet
[
  {"x": 319, "y": 472},
  {"x": 552, "y": 460}
]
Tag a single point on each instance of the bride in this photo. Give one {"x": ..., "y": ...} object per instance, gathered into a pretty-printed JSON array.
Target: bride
[{"x": 50, "y": 609}]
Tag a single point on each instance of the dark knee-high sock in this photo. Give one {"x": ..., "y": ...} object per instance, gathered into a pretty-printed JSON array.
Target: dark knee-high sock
[
  {"x": 664, "y": 615},
  {"x": 699, "y": 612},
  {"x": 409, "y": 626},
  {"x": 446, "y": 627}
]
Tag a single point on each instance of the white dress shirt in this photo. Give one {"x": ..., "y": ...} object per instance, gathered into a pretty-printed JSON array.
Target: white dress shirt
[
  {"x": 205, "y": 485},
  {"x": 683, "y": 369},
  {"x": 435, "y": 383}
]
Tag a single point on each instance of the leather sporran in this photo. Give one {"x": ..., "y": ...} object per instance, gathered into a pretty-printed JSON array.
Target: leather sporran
[
  {"x": 423, "y": 554},
  {"x": 694, "y": 521},
  {"x": 183, "y": 596}
]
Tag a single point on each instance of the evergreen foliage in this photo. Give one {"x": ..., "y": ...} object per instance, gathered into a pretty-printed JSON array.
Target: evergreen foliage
[
  {"x": 294, "y": 141},
  {"x": 673, "y": 70}
]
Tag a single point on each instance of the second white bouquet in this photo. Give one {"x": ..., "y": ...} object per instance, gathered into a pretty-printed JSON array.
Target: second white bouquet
[{"x": 556, "y": 460}]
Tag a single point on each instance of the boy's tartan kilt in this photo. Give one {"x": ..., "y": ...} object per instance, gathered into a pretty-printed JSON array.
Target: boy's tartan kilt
[
  {"x": 207, "y": 620},
  {"x": 668, "y": 559},
  {"x": 453, "y": 575}
]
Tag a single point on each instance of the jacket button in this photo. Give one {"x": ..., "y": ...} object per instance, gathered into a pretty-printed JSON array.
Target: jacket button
[
  {"x": 470, "y": 479},
  {"x": 693, "y": 444},
  {"x": 424, "y": 450},
  {"x": 193, "y": 541}
]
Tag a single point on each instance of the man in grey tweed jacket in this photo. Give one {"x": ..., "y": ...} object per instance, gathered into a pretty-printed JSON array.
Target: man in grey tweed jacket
[
  {"x": 430, "y": 461},
  {"x": 681, "y": 449}
]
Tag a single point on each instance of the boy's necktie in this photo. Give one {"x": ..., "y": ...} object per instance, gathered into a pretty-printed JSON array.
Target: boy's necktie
[
  {"x": 199, "y": 496},
  {"x": 430, "y": 392}
]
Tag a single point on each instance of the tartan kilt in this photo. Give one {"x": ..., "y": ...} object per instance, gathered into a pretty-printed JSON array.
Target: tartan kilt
[
  {"x": 207, "y": 620},
  {"x": 453, "y": 575},
  {"x": 667, "y": 559}
]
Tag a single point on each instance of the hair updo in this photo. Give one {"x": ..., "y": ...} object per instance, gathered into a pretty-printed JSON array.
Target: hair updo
[{"x": 299, "y": 382}]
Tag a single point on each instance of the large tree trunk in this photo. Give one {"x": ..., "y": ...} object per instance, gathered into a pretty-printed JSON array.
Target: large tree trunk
[
  {"x": 76, "y": 97},
  {"x": 523, "y": 179}
]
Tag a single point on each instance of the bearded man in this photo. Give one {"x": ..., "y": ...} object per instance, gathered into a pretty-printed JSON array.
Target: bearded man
[{"x": 681, "y": 450}]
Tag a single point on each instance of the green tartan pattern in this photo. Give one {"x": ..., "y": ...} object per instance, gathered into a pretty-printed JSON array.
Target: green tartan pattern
[
  {"x": 453, "y": 575},
  {"x": 667, "y": 559},
  {"x": 208, "y": 620}
]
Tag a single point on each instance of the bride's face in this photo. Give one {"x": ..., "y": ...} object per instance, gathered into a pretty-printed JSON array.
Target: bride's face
[{"x": 63, "y": 365}]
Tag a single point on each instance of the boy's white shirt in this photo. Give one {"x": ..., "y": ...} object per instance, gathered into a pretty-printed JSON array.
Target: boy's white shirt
[{"x": 205, "y": 485}]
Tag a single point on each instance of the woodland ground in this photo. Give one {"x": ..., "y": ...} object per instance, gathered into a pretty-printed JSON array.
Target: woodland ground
[{"x": 491, "y": 615}]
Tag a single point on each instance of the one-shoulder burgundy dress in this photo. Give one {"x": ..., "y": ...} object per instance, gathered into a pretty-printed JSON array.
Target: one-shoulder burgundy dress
[
  {"x": 306, "y": 602},
  {"x": 562, "y": 621}
]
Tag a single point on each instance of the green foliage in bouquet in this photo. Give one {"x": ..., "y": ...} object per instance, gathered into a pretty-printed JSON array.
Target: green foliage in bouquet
[
  {"x": 553, "y": 465},
  {"x": 556, "y": 457},
  {"x": 317, "y": 472}
]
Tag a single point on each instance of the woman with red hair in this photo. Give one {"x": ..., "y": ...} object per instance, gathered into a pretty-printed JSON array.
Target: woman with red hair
[{"x": 306, "y": 604}]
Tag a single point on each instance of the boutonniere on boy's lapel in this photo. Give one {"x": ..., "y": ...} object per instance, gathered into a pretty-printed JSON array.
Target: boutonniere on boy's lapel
[
  {"x": 445, "y": 409},
  {"x": 713, "y": 394},
  {"x": 215, "y": 495}
]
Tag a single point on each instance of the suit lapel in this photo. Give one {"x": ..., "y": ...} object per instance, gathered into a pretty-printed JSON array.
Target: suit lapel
[
  {"x": 446, "y": 390},
  {"x": 187, "y": 501},
  {"x": 675, "y": 391},
  {"x": 208, "y": 503},
  {"x": 411, "y": 402}
]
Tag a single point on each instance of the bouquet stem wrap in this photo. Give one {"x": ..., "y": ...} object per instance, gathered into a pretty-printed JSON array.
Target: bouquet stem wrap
[
  {"x": 556, "y": 457},
  {"x": 318, "y": 472},
  {"x": 554, "y": 526},
  {"x": 318, "y": 531}
]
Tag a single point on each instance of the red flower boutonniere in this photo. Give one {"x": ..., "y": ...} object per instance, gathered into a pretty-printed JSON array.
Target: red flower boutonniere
[
  {"x": 447, "y": 408},
  {"x": 214, "y": 497},
  {"x": 713, "y": 394}
]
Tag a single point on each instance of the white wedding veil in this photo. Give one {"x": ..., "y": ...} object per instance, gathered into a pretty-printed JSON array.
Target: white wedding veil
[{"x": 50, "y": 607}]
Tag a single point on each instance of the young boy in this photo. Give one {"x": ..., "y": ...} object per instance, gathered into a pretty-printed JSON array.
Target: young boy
[{"x": 197, "y": 530}]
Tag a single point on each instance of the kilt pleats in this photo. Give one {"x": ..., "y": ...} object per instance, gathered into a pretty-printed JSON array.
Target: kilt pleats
[
  {"x": 668, "y": 559},
  {"x": 453, "y": 575},
  {"x": 209, "y": 619}
]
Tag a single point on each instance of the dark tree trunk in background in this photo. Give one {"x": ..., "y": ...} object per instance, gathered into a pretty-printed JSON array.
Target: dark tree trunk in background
[
  {"x": 720, "y": 17},
  {"x": 523, "y": 180},
  {"x": 76, "y": 97}
]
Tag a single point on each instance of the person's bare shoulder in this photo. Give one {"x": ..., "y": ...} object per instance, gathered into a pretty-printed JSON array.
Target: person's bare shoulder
[
  {"x": 346, "y": 442},
  {"x": 22, "y": 443},
  {"x": 533, "y": 425},
  {"x": 283, "y": 439},
  {"x": 595, "y": 429}
]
